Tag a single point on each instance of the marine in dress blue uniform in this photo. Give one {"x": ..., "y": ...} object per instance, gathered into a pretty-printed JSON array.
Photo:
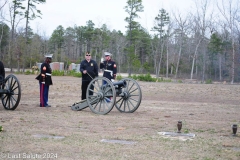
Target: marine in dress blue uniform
[
  {"x": 109, "y": 67},
  {"x": 45, "y": 80}
]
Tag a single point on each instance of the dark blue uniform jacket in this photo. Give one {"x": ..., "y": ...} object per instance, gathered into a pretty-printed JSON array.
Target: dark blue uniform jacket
[
  {"x": 47, "y": 71},
  {"x": 110, "y": 69}
]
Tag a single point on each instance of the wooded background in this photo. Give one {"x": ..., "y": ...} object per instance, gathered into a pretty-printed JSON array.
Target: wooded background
[{"x": 203, "y": 45}]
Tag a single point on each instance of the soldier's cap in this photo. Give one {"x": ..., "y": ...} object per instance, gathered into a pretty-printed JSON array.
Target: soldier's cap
[
  {"x": 48, "y": 55},
  {"x": 107, "y": 54}
]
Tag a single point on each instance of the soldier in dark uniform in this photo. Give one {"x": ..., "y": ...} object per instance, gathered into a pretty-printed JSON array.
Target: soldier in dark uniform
[
  {"x": 2, "y": 72},
  {"x": 89, "y": 69},
  {"x": 45, "y": 80},
  {"x": 109, "y": 67}
]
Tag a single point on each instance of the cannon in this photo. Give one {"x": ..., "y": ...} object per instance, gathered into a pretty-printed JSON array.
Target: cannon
[
  {"x": 10, "y": 92},
  {"x": 102, "y": 95}
]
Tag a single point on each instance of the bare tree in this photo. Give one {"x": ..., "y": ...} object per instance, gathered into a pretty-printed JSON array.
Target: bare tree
[
  {"x": 229, "y": 10},
  {"x": 120, "y": 45},
  {"x": 169, "y": 34},
  {"x": 161, "y": 22},
  {"x": 2, "y": 19},
  {"x": 16, "y": 15},
  {"x": 200, "y": 26},
  {"x": 182, "y": 25},
  {"x": 31, "y": 13}
]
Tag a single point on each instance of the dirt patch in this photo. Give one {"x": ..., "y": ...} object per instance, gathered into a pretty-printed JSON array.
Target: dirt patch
[{"x": 206, "y": 110}]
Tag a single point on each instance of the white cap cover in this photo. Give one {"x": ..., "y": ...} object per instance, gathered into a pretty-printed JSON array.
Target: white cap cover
[
  {"x": 48, "y": 55},
  {"x": 107, "y": 54}
]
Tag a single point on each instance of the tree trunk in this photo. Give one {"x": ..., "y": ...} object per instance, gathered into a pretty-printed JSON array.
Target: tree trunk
[
  {"x": 160, "y": 60},
  {"x": 233, "y": 61},
  {"x": 178, "y": 61},
  {"x": 194, "y": 58},
  {"x": 220, "y": 67},
  {"x": 167, "y": 63},
  {"x": 26, "y": 34},
  {"x": 204, "y": 64}
]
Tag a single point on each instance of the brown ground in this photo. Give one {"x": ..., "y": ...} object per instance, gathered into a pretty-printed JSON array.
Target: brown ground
[{"x": 206, "y": 110}]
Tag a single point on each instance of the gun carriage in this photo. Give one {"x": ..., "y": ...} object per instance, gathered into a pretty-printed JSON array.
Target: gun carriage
[
  {"x": 102, "y": 95},
  {"x": 10, "y": 92}
]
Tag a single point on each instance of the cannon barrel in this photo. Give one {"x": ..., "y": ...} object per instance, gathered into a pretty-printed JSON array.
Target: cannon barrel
[{"x": 120, "y": 84}]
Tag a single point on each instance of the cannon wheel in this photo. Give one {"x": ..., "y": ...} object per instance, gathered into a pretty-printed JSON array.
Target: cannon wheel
[
  {"x": 104, "y": 96},
  {"x": 12, "y": 95},
  {"x": 130, "y": 98}
]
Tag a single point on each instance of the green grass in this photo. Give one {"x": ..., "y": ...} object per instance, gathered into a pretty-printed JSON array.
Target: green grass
[{"x": 149, "y": 78}]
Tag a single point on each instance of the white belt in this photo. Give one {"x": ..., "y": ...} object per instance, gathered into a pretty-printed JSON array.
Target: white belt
[
  {"x": 48, "y": 74},
  {"x": 111, "y": 72}
]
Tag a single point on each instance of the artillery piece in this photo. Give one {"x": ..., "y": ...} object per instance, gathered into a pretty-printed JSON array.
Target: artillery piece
[
  {"x": 10, "y": 92},
  {"x": 102, "y": 95}
]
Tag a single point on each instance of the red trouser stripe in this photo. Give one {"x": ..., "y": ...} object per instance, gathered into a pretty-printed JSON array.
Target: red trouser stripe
[{"x": 41, "y": 95}]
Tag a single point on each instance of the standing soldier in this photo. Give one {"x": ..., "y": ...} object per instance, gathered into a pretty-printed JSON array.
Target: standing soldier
[
  {"x": 109, "y": 67},
  {"x": 89, "y": 70},
  {"x": 2, "y": 73},
  {"x": 45, "y": 80}
]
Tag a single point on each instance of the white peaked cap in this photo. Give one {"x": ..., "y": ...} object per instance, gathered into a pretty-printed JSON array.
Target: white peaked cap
[
  {"x": 48, "y": 55},
  {"x": 107, "y": 54}
]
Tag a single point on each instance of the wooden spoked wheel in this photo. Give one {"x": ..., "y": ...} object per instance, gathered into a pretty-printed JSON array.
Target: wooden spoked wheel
[
  {"x": 130, "y": 97},
  {"x": 10, "y": 92},
  {"x": 101, "y": 95}
]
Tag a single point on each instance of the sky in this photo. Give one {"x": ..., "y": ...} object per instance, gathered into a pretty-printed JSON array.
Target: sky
[{"x": 70, "y": 13}]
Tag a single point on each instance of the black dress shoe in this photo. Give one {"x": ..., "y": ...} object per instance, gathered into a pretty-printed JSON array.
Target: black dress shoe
[{"x": 48, "y": 105}]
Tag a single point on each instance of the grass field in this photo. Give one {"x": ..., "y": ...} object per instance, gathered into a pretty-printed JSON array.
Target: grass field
[{"x": 206, "y": 110}]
